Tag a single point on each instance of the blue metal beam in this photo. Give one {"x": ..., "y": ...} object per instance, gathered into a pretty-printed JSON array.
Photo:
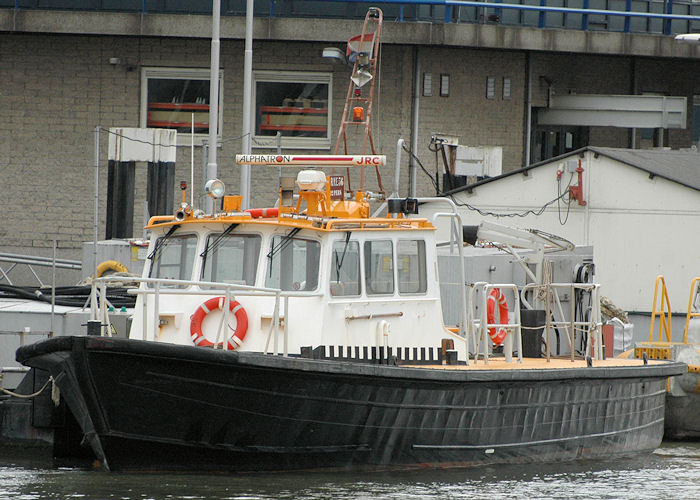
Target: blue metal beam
[{"x": 537, "y": 8}]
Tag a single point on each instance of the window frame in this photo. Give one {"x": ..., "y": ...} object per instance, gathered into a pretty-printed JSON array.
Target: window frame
[
  {"x": 207, "y": 259},
  {"x": 368, "y": 277},
  {"x": 193, "y": 264},
  {"x": 265, "y": 141},
  {"x": 175, "y": 73},
  {"x": 422, "y": 266},
  {"x": 268, "y": 261},
  {"x": 332, "y": 269}
]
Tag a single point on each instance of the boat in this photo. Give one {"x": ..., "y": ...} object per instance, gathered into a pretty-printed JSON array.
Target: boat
[
  {"x": 683, "y": 393},
  {"x": 310, "y": 335}
]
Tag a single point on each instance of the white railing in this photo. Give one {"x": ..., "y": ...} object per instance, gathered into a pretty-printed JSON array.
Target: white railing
[
  {"x": 592, "y": 327},
  {"x": 99, "y": 305},
  {"x": 548, "y": 295},
  {"x": 31, "y": 260},
  {"x": 479, "y": 327}
]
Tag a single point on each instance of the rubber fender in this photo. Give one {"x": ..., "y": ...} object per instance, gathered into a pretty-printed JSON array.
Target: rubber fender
[{"x": 111, "y": 265}]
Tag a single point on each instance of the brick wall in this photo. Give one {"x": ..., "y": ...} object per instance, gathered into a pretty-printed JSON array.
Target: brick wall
[{"x": 57, "y": 89}]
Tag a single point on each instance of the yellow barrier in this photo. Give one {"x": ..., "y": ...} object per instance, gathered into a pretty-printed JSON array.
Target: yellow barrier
[
  {"x": 691, "y": 314},
  {"x": 664, "y": 316}
]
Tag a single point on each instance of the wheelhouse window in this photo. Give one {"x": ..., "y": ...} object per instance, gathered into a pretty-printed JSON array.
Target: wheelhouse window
[
  {"x": 411, "y": 266},
  {"x": 295, "y": 104},
  {"x": 231, "y": 259},
  {"x": 292, "y": 264},
  {"x": 379, "y": 267},
  {"x": 174, "y": 98},
  {"x": 345, "y": 268},
  {"x": 173, "y": 257}
]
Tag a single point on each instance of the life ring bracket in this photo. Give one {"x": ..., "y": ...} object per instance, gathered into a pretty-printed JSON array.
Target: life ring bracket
[{"x": 496, "y": 296}]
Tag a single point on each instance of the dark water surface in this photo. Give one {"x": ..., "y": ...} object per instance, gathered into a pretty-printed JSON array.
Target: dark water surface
[{"x": 672, "y": 472}]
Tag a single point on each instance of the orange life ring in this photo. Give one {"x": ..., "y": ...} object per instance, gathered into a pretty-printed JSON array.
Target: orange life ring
[
  {"x": 496, "y": 295},
  {"x": 257, "y": 213},
  {"x": 236, "y": 339}
]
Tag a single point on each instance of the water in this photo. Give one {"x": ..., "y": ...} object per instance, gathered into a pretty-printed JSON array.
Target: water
[{"x": 672, "y": 472}]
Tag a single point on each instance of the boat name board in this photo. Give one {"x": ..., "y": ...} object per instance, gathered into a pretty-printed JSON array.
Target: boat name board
[{"x": 296, "y": 160}]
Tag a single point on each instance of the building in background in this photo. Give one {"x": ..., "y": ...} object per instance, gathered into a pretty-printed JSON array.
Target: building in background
[
  {"x": 493, "y": 78},
  {"x": 636, "y": 208}
]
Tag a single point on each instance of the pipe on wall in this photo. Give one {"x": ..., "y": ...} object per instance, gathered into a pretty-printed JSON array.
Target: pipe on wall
[{"x": 414, "y": 123}]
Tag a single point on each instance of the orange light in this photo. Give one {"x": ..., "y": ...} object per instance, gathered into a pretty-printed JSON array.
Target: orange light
[{"x": 358, "y": 114}]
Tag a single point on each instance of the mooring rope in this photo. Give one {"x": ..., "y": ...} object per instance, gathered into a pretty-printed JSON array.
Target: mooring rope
[{"x": 54, "y": 390}]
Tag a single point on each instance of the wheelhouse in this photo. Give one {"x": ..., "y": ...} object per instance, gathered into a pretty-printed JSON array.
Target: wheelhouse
[{"x": 318, "y": 272}]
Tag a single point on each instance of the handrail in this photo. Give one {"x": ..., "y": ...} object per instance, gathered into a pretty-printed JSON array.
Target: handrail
[
  {"x": 454, "y": 216},
  {"x": 447, "y": 16},
  {"x": 482, "y": 325},
  {"x": 592, "y": 327},
  {"x": 99, "y": 308},
  {"x": 537, "y": 8},
  {"x": 33, "y": 260},
  {"x": 664, "y": 316},
  {"x": 694, "y": 292},
  {"x": 376, "y": 223}
]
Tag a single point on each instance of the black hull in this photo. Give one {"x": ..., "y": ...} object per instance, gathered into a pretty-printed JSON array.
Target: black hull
[{"x": 158, "y": 407}]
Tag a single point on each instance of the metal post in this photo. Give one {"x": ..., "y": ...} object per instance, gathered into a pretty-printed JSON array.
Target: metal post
[
  {"x": 286, "y": 320},
  {"x": 93, "y": 300},
  {"x": 53, "y": 288},
  {"x": 205, "y": 154},
  {"x": 547, "y": 323},
  {"x": 192, "y": 162},
  {"x": 156, "y": 311},
  {"x": 97, "y": 188},
  {"x": 572, "y": 335},
  {"x": 213, "y": 99},
  {"x": 104, "y": 323},
  {"x": 528, "y": 108},
  {"x": 286, "y": 326},
  {"x": 484, "y": 325},
  {"x": 397, "y": 166},
  {"x": 667, "y": 22},
  {"x": 278, "y": 140},
  {"x": 519, "y": 320},
  {"x": 247, "y": 97},
  {"x": 542, "y": 16},
  {"x": 144, "y": 316},
  {"x": 414, "y": 126}
]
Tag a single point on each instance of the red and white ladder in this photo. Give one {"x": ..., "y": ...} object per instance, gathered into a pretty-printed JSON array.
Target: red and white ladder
[{"x": 363, "y": 52}]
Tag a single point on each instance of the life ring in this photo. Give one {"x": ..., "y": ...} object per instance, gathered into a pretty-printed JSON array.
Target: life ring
[
  {"x": 258, "y": 213},
  {"x": 111, "y": 265},
  {"x": 236, "y": 339},
  {"x": 496, "y": 295}
]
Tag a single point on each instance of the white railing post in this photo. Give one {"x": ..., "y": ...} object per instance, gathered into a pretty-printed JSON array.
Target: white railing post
[
  {"x": 572, "y": 333},
  {"x": 144, "y": 312},
  {"x": 222, "y": 333},
  {"x": 156, "y": 310},
  {"x": 93, "y": 301},
  {"x": 484, "y": 326},
  {"x": 286, "y": 323}
]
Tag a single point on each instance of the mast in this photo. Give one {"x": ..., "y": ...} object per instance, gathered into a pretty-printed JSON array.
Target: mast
[
  {"x": 213, "y": 99},
  {"x": 247, "y": 96}
]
